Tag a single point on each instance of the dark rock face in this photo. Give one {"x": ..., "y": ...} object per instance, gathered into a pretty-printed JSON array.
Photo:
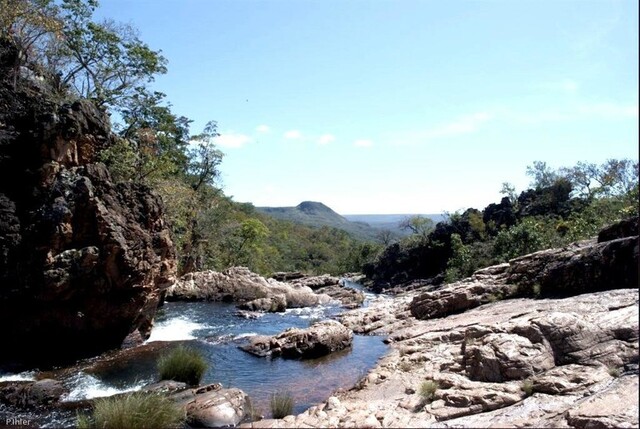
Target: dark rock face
[
  {"x": 83, "y": 261},
  {"x": 622, "y": 229}
]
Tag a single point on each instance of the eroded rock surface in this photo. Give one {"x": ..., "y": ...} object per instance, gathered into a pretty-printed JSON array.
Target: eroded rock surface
[
  {"x": 83, "y": 260},
  {"x": 319, "y": 339},
  {"x": 240, "y": 285},
  {"x": 500, "y": 360}
]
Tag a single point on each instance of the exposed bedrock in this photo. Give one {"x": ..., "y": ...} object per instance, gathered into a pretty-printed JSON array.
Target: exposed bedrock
[
  {"x": 83, "y": 260},
  {"x": 240, "y": 285}
]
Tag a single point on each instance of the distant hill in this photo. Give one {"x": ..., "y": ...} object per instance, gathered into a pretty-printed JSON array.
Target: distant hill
[
  {"x": 317, "y": 214},
  {"x": 391, "y": 222}
]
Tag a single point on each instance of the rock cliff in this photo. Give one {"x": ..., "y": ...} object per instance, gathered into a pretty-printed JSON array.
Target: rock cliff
[{"x": 83, "y": 260}]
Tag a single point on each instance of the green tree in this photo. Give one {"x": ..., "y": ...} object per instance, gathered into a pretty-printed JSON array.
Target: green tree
[
  {"x": 419, "y": 226},
  {"x": 204, "y": 157},
  {"x": 104, "y": 61},
  {"x": 543, "y": 175},
  {"x": 459, "y": 264},
  {"x": 246, "y": 239}
]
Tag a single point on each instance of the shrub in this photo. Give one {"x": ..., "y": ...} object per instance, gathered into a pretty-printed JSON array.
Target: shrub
[
  {"x": 527, "y": 387},
  {"x": 182, "y": 364},
  {"x": 405, "y": 366},
  {"x": 139, "y": 410},
  {"x": 428, "y": 389},
  {"x": 281, "y": 405},
  {"x": 613, "y": 371}
]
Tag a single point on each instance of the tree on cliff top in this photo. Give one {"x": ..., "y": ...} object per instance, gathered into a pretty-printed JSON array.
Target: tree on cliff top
[{"x": 104, "y": 61}]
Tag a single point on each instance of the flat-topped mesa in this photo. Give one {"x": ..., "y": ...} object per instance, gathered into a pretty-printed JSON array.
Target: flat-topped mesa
[{"x": 83, "y": 260}]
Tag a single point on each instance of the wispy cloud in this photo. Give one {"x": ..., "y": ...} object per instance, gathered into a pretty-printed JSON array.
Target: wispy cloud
[
  {"x": 363, "y": 143},
  {"x": 293, "y": 135},
  {"x": 463, "y": 125},
  {"x": 326, "y": 139},
  {"x": 232, "y": 140},
  {"x": 263, "y": 129}
]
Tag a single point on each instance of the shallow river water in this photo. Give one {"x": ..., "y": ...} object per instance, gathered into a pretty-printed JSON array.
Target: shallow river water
[{"x": 217, "y": 331}]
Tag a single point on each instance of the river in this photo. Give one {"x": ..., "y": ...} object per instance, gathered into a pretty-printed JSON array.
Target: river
[{"x": 216, "y": 330}]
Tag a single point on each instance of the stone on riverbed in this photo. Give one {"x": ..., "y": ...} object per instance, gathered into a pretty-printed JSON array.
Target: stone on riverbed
[
  {"x": 319, "y": 339},
  {"x": 212, "y": 406}
]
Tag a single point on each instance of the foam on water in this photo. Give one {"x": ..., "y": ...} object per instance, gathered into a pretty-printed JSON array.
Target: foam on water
[
  {"x": 23, "y": 376},
  {"x": 316, "y": 312},
  {"x": 86, "y": 386},
  {"x": 175, "y": 329},
  {"x": 245, "y": 335}
]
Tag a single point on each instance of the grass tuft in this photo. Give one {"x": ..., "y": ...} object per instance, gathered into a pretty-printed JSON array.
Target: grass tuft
[
  {"x": 182, "y": 364},
  {"x": 527, "y": 387},
  {"x": 613, "y": 371},
  {"x": 138, "y": 410},
  {"x": 281, "y": 405},
  {"x": 428, "y": 389}
]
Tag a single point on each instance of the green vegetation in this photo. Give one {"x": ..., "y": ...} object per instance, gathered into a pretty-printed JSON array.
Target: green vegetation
[
  {"x": 613, "y": 371},
  {"x": 527, "y": 387},
  {"x": 428, "y": 390},
  {"x": 182, "y": 364},
  {"x": 562, "y": 206},
  {"x": 281, "y": 405},
  {"x": 139, "y": 410}
]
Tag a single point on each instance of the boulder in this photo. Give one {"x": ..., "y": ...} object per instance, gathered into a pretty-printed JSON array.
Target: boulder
[
  {"x": 624, "y": 228},
  {"x": 348, "y": 297},
  {"x": 83, "y": 260},
  {"x": 319, "y": 339},
  {"x": 212, "y": 406},
  {"x": 274, "y": 304},
  {"x": 32, "y": 394},
  {"x": 315, "y": 282}
]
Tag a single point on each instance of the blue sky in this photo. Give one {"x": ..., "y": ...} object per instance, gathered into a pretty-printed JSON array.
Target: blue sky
[{"x": 396, "y": 106}]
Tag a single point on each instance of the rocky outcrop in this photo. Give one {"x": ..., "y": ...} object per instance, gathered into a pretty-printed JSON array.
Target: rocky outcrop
[
  {"x": 319, "y": 339},
  {"x": 582, "y": 267},
  {"x": 238, "y": 284},
  {"x": 497, "y": 355},
  {"x": 83, "y": 260}
]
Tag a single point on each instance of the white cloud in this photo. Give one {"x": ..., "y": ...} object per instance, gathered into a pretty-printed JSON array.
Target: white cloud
[
  {"x": 232, "y": 140},
  {"x": 363, "y": 143},
  {"x": 463, "y": 125},
  {"x": 326, "y": 139},
  {"x": 263, "y": 128},
  {"x": 293, "y": 134}
]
